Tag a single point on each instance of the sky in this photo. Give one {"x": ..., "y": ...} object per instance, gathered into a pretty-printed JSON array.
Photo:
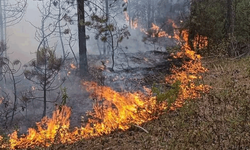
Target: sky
[{"x": 20, "y": 37}]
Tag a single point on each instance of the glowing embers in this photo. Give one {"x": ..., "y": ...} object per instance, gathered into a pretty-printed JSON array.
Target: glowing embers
[
  {"x": 157, "y": 32},
  {"x": 200, "y": 42},
  {"x": 135, "y": 24},
  {"x": 73, "y": 66}
]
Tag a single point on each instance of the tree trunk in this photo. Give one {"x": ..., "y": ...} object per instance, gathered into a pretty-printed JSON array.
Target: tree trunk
[
  {"x": 1, "y": 22},
  {"x": 83, "y": 64},
  {"x": 45, "y": 87},
  {"x": 129, "y": 14},
  {"x": 44, "y": 99},
  {"x": 149, "y": 14},
  {"x": 107, "y": 17},
  {"x": 1, "y": 40},
  {"x": 192, "y": 27},
  {"x": 230, "y": 26}
]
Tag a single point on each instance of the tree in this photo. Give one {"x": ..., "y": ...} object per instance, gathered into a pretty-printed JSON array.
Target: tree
[
  {"x": 10, "y": 69},
  {"x": 230, "y": 26},
  {"x": 83, "y": 63},
  {"x": 43, "y": 71}
]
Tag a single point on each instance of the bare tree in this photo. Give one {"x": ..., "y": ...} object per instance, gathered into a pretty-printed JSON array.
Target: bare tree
[{"x": 43, "y": 70}]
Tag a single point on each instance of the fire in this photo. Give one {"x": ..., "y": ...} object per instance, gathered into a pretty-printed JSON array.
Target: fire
[
  {"x": 1, "y": 100},
  {"x": 2, "y": 143},
  {"x": 135, "y": 24},
  {"x": 116, "y": 110},
  {"x": 200, "y": 42},
  {"x": 188, "y": 73},
  {"x": 158, "y": 32},
  {"x": 126, "y": 16},
  {"x": 72, "y": 66},
  {"x": 47, "y": 131}
]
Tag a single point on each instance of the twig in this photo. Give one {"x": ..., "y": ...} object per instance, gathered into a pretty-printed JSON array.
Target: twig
[{"x": 141, "y": 128}]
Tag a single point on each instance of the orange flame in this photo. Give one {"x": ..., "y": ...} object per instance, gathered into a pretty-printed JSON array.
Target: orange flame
[
  {"x": 187, "y": 73},
  {"x": 200, "y": 42},
  {"x": 135, "y": 24},
  {"x": 158, "y": 32},
  {"x": 126, "y": 16},
  {"x": 46, "y": 133},
  {"x": 72, "y": 66}
]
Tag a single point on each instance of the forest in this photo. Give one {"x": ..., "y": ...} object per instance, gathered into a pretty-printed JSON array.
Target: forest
[{"x": 124, "y": 74}]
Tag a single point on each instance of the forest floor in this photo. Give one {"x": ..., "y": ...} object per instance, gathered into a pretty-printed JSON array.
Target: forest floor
[{"x": 218, "y": 120}]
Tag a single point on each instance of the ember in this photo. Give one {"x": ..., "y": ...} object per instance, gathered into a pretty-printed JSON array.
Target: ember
[{"x": 72, "y": 66}]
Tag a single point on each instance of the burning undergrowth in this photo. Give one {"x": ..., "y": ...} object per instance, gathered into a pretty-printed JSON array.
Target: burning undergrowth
[{"x": 115, "y": 110}]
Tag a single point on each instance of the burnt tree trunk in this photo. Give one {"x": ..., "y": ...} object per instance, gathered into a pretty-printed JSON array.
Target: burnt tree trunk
[
  {"x": 83, "y": 63},
  {"x": 107, "y": 17},
  {"x": 149, "y": 14}
]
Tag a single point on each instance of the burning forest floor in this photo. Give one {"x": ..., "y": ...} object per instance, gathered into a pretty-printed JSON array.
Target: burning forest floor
[{"x": 218, "y": 120}]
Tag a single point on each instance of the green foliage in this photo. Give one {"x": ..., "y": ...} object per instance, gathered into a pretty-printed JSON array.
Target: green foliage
[
  {"x": 44, "y": 68},
  {"x": 242, "y": 26},
  {"x": 64, "y": 96},
  {"x": 210, "y": 19},
  {"x": 169, "y": 95},
  {"x": 43, "y": 71}
]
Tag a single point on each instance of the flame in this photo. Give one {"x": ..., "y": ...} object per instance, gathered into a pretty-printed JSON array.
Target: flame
[
  {"x": 126, "y": 16},
  {"x": 33, "y": 88},
  {"x": 126, "y": 13},
  {"x": 72, "y": 66},
  {"x": 200, "y": 42},
  {"x": 1, "y": 101},
  {"x": 135, "y": 24},
  {"x": 47, "y": 131},
  {"x": 3, "y": 145},
  {"x": 116, "y": 110},
  {"x": 188, "y": 72},
  {"x": 158, "y": 32}
]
